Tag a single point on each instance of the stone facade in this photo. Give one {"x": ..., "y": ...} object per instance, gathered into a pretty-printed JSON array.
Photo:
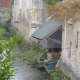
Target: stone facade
[
  {"x": 70, "y": 57},
  {"x": 24, "y": 13},
  {"x": 5, "y": 14}
]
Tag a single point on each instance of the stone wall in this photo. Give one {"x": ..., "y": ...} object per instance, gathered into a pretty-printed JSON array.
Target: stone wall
[
  {"x": 24, "y": 13},
  {"x": 5, "y": 14},
  {"x": 70, "y": 57}
]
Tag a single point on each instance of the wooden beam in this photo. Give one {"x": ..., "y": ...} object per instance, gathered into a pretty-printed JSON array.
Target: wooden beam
[
  {"x": 52, "y": 32},
  {"x": 56, "y": 41}
]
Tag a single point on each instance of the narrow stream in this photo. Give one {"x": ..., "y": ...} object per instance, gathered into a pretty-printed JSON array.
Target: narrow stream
[{"x": 25, "y": 72}]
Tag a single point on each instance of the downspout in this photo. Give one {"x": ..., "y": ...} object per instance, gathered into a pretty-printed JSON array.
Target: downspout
[
  {"x": 65, "y": 33},
  {"x": 20, "y": 4},
  {"x": 64, "y": 39}
]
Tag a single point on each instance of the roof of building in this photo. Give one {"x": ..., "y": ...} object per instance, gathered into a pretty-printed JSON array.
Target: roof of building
[{"x": 47, "y": 29}]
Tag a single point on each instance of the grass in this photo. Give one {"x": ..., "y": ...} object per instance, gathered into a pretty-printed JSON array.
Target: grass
[
  {"x": 56, "y": 75},
  {"x": 30, "y": 52}
]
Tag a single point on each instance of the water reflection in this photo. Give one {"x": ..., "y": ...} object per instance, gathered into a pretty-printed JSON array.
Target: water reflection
[{"x": 25, "y": 72}]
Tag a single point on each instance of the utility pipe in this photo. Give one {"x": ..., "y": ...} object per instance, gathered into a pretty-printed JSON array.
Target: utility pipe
[
  {"x": 20, "y": 4},
  {"x": 65, "y": 34}
]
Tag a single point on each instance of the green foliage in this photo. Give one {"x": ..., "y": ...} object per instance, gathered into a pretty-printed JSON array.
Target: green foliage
[
  {"x": 30, "y": 52},
  {"x": 69, "y": 8},
  {"x": 7, "y": 57},
  {"x": 1, "y": 31},
  {"x": 55, "y": 75},
  {"x": 52, "y": 2},
  {"x": 6, "y": 24}
]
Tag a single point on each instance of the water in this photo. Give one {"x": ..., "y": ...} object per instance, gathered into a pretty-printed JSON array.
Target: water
[{"x": 25, "y": 72}]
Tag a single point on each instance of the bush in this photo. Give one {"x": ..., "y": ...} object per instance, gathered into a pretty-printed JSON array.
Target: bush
[
  {"x": 6, "y": 57},
  {"x": 52, "y": 2},
  {"x": 55, "y": 75},
  {"x": 69, "y": 9},
  {"x": 6, "y": 24},
  {"x": 30, "y": 51}
]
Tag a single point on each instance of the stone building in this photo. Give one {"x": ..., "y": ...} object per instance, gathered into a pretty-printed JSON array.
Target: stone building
[
  {"x": 70, "y": 56},
  {"x": 26, "y": 14},
  {"x": 69, "y": 43},
  {"x": 70, "y": 48}
]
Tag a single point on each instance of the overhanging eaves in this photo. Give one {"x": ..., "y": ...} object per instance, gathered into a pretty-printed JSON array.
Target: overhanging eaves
[{"x": 46, "y": 30}]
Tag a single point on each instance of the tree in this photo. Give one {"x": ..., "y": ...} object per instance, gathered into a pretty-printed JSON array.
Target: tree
[{"x": 70, "y": 8}]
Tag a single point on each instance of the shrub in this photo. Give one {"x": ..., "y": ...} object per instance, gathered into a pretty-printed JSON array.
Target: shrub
[
  {"x": 55, "y": 75},
  {"x": 6, "y": 24},
  {"x": 68, "y": 8},
  {"x": 6, "y": 57},
  {"x": 30, "y": 52}
]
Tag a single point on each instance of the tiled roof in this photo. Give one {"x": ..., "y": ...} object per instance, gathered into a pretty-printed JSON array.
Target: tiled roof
[{"x": 47, "y": 29}]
